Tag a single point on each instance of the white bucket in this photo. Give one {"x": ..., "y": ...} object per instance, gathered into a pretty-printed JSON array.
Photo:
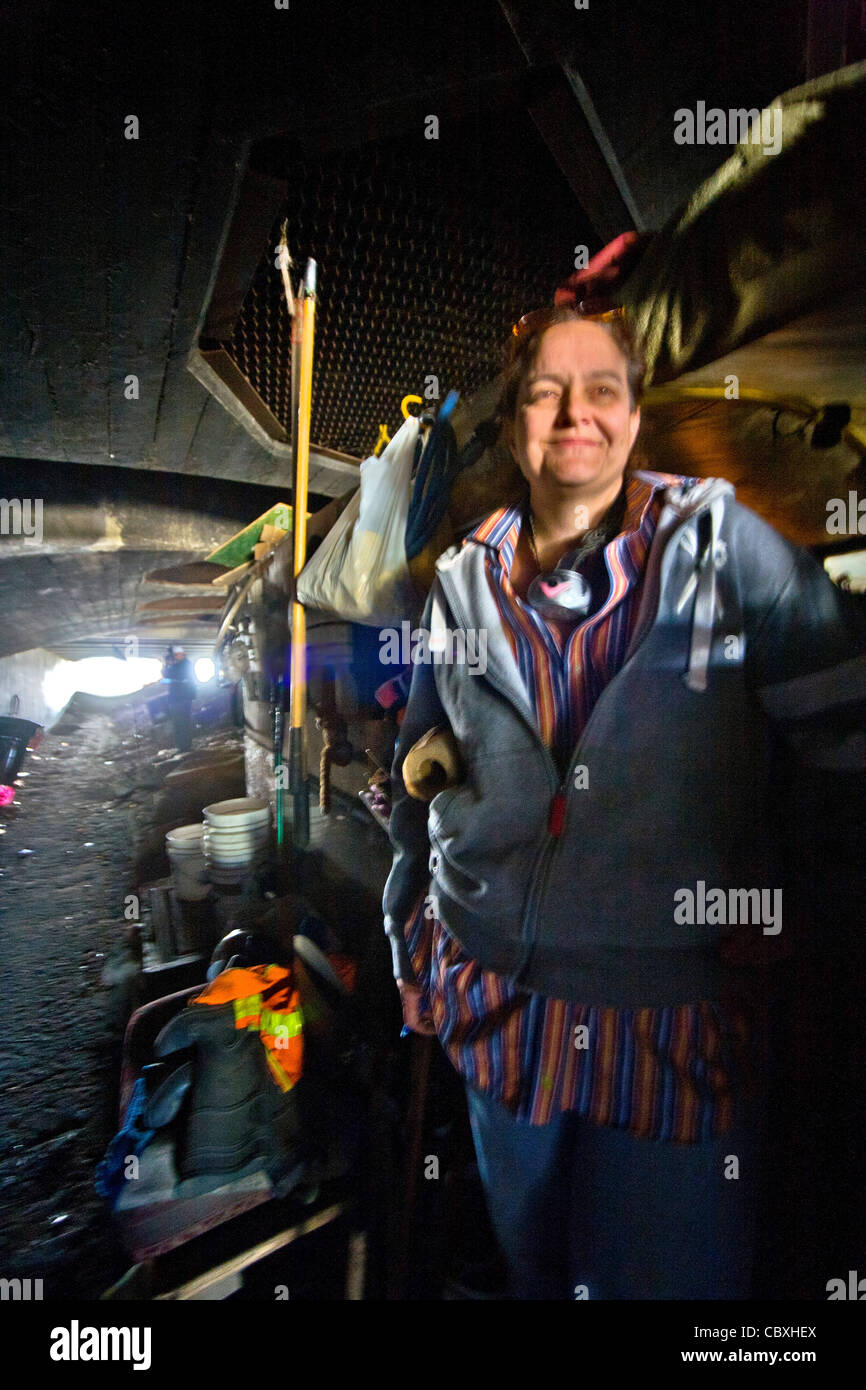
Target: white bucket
[
  {"x": 242, "y": 811},
  {"x": 188, "y": 865},
  {"x": 185, "y": 839},
  {"x": 235, "y": 844}
]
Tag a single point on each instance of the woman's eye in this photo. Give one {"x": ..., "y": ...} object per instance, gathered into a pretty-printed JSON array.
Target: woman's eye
[{"x": 543, "y": 394}]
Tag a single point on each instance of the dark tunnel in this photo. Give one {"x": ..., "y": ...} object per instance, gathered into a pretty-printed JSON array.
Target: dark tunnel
[{"x": 432, "y": 651}]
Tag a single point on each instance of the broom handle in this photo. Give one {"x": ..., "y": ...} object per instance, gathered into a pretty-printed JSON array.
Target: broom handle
[{"x": 298, "y": 691}]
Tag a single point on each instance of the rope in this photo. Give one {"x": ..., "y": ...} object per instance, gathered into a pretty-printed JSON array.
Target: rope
[{"x": 325, "y": 775}]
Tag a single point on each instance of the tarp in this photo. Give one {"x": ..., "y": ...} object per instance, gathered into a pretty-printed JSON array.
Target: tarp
[
  {"x": 761, "y": 274},
  {"x": 765, "y": 239}
]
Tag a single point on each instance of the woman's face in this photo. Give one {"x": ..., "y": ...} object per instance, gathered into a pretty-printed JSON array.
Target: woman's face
[{"x": 574, "y": 426}]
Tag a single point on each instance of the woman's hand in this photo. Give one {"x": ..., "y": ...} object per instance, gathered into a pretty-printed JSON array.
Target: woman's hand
[{"x": 413, "y": 1017}]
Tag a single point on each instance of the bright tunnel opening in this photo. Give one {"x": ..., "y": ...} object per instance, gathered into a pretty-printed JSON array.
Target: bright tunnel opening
[{"x": 98, "y": 675}]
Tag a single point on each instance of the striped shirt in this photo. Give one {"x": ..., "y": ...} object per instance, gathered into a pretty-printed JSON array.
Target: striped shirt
[{"x": 660, "y": 1073}]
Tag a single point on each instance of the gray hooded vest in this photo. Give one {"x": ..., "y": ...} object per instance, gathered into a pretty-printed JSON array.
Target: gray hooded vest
[{"x": 616, "y": 884}]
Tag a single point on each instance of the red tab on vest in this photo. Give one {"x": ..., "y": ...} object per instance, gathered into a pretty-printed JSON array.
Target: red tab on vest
[{"x": 556, "y": 818}]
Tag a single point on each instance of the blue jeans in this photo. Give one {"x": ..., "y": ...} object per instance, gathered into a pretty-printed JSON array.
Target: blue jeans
[{"x": 586, "y": 1211}]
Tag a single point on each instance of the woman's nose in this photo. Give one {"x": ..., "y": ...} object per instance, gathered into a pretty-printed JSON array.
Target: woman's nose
[{"x": 573, "y": 407}]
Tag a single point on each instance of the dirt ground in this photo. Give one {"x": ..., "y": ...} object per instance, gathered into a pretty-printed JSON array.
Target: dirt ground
[
  {"x": 71, "y": 850},
  {"x": 86, "y": 831}
]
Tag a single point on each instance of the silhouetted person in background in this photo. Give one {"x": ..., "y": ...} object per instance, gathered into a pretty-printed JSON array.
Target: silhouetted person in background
[{"x": 178, "y": 673}]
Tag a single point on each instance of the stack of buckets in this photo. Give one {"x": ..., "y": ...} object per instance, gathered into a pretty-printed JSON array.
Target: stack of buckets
[
  {"x": 236, "y": 837},
  {"x": 188, "y": 868},
  {"x": 233, "y": 841}
]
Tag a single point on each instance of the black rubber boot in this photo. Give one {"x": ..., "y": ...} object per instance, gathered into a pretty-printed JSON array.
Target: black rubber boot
[{"x": 237, "y": 1120}]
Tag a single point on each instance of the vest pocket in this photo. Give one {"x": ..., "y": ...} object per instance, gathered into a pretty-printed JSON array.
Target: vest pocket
[
  {"x": 453, "y": 879},
  {"x": 440, "y": 803}
]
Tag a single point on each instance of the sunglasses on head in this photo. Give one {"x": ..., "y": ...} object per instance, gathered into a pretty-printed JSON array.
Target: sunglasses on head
[{"x": 538, "y": 319}]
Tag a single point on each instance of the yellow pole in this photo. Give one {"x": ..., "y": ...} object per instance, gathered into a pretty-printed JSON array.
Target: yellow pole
[
  {"x": 298, "y": 691},
  {"x": 293, "y": 307}
]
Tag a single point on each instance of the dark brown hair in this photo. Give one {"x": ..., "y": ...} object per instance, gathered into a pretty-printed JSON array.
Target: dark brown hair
[{"x": 523, "y": 348}]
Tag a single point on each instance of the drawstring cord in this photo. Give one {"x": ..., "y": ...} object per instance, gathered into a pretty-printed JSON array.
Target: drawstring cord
[{"x": 713, "y": 558}]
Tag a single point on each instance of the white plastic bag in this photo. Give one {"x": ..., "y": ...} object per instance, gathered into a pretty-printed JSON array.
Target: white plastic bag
[{"x": 359, "y": 571}]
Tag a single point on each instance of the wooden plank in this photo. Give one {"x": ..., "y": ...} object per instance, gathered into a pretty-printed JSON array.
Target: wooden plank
[
  {"x": 194, "y": 573},
  {"x": 272, "y": 534},
  {"x": 239, "y": 547},
  {"x": 194, "y": 1288},
  {"x": 270, "y": 538},
  {"x": 228, "y": 371},
  {"x": 569, "y": 124},
  {"x": 231, "y": 577},
  {"x": 259, "y": 201},
  {"x": 561, "y": 109},
  {"x": 195, "y": 603},
  {"x": 160, "y": 915},
  {"x": 223, "y": 445}
]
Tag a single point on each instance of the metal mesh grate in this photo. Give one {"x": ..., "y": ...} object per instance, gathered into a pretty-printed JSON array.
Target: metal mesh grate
[{"x": 428, "y": 251}]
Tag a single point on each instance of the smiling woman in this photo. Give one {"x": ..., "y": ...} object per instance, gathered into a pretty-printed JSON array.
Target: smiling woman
[
  {"x": 575, "y": 425},
  {"x": 571, "y": 417},
  {"x": 616, "y": 749},
  {"x": 527, "y": 336}
]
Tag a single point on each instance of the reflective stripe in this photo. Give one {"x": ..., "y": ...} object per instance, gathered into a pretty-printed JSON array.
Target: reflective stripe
[
  {"x": 277, "y": 1022},
  {"x": 282, "y": 1078},
  {"x": 250, "y": 1014},
  {"x": 820, "y": 690},
  {"x": 247, "y": 1011}
]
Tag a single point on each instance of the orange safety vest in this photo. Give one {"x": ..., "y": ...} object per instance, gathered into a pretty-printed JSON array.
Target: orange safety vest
[{"x": 267, "y": 1002}]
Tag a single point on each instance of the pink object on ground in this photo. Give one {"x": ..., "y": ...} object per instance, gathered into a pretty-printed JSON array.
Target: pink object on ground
[{"x": 7, "y": 795}]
